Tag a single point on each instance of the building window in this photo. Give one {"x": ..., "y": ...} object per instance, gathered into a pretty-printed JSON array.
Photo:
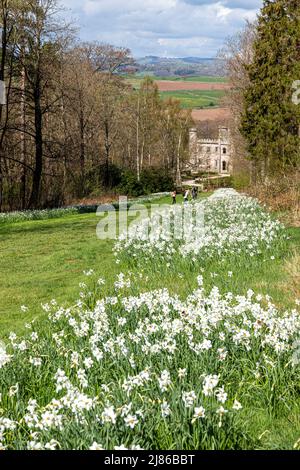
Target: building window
[
  {"x": 216, "y": 163},
  {"x": 224, "y": 165},
  {"x": 217, "y": 149},
  {"x": 208, "y": 149},
  {"x": 224, "y": 151}
]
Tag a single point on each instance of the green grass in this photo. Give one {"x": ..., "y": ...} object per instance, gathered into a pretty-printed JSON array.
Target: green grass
[
  {"x": 195, "y": 99},
  {"x": 201, "y": 79},
  {"x": 45, "y": 259},
  {"x": 190, "y": 99},
  {"x": 41, "y": 260}
]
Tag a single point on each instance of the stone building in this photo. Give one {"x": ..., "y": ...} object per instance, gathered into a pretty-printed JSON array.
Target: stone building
[{"x": 210, "y": 155}]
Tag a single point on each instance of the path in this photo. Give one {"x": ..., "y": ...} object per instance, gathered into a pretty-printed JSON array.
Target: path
[{"x": 202, "y": 180}]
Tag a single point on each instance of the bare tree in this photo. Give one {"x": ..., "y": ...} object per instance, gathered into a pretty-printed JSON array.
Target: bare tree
[
  {"x": 238, "y": 54},
  {"x": 70, "y": 116},
  {"x": 44, "y": 35}
]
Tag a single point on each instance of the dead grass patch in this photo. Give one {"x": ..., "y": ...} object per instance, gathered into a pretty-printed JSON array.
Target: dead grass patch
[{"x": 281, "y": 195}]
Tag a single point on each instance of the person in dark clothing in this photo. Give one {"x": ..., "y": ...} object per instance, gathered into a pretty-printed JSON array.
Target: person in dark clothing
[
  {"x": 194, "y": 194},
  {"x": 174, "y": 196}
]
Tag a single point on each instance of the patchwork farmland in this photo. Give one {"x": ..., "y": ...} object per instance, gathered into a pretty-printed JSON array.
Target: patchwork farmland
[
  {"x": 201, "y": 94},
  {"x": 170, "y": 85},
  {"x": 211, "y": 114}
]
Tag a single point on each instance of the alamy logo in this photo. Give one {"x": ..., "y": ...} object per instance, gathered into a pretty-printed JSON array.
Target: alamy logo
[
  {"x": 296, "y": 94},
  {"x": 127, "y": 221},
  {"x": 2, "y": 93},
  {"x": 296, "y": 355}
]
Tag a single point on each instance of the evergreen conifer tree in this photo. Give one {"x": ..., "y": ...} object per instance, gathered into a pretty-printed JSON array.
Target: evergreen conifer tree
[{"x": 270, "y": 122}]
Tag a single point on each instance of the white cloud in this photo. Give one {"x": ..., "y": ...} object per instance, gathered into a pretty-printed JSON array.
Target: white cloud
[
  {"x": 102, "y": 6},
  {"x": 163, "y": 27}
]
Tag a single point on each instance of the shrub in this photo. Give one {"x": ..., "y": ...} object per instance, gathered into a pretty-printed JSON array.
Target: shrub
[
  {"x": 114, "y": 176},
  {"x": 130, "y": 184},
  {"x": 153, "y": 180},
  {"x": 241, "y": 181}
]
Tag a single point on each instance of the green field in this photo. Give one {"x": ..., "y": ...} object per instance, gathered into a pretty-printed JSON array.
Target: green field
[
  {"x": 190, "y": 99},
  {"x": 196, "y": 78},
  {"x": 199, "y": 78},
  {"x": 195, "y": 99}
]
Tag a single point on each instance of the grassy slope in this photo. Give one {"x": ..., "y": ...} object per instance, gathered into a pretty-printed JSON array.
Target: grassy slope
[
  {"x": 41, "y": 260},
  {"x": 45, "y": 259}
]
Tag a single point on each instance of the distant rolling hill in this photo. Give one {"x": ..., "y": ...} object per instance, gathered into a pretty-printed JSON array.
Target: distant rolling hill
[
  {"x": 198, "y": 83},
  {"x": 180, "y": 67}
]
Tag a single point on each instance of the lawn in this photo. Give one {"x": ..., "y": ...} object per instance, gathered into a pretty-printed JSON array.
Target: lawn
[
  {"x": 204, "y": 365},
  {"x": 42, "y": 260},
  {"x": 45, "y": 259}
]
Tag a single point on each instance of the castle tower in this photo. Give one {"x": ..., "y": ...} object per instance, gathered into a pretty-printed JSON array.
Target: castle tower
[
  {"x": 224, "y": 135},
  {"x": 193, "y": 145},
  {"x": 225, "y": 150}
]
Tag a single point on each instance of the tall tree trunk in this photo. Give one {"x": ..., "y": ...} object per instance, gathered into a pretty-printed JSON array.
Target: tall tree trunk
[
  {"x": 23, "y": 140},
  {"x": 129, "y": 156},
  {"x": 142, "y": 155},
  {"x": 82, "y": 152},
  {"x": 168, "y": 155},
  {"x": 64, "y": 135},
  {"x": 107, "y": 153},
  {"x": 298, "y": 145},
  {"x": 178, "y": 169},
  {"x": 2, "y": 78},
  {"x": 34, "y": 201},
  {"x": 138, "y": 142}
]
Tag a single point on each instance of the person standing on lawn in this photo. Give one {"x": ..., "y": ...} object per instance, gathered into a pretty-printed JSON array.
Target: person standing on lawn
[
  {"x": 186, "y": 196},
  {"x": 174, "y": 196},
  {"x": 195, "y": 194}
]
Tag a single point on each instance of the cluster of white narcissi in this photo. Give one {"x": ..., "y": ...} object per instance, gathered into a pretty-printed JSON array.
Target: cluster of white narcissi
[
  {"x": 227, "y": 223},
  {"x": 43, "y": 214},
  {"x": 115, "y": 375},
  {"x": 22, "y": 216},
  {"x": 145, "y": 370}
]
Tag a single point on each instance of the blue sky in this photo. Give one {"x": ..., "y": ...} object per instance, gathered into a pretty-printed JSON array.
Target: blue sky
[{"x": 169, "y": 28}]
